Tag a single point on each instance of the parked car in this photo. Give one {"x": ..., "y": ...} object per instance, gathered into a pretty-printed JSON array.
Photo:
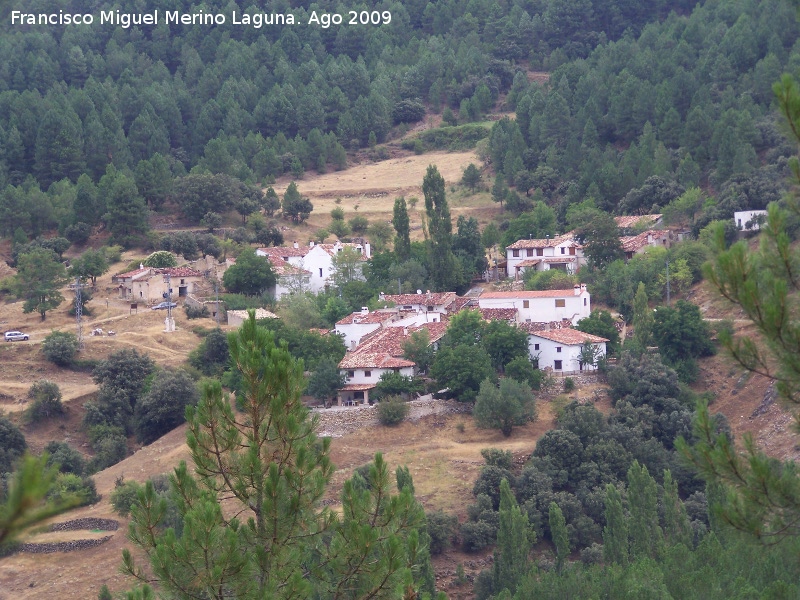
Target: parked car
[
  {"x": 16, "y": 336},
  {"x": 161, "y": 305}
]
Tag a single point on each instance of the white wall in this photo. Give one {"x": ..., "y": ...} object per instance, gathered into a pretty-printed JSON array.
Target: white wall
[
  {"x": 544, "y": 309},
  {"x": 569, "y": 356},
  {"x": 743, "y": 217},
  {"x": 353, "y": 332},
  {"x": 359, "y": 375}
]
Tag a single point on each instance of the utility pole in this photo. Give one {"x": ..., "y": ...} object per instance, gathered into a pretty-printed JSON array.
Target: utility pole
[
  {"x": 79, "y": 311},
  {"x": 169, "y": 322},
  {"x": 216, "y": 291}
]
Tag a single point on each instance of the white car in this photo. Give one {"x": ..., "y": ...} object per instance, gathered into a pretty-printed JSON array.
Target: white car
[{"x": 16, "y": 336}]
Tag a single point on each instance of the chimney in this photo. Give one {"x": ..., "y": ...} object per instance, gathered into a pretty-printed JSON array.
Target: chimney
[
  {"x": 577, "y": 290},
  {"x": 583, "y": 288},
  {"x": 381, "y": 296},
  {"x": 141, "y": 266},
  {"x": 296, "y": 245},
  {"x": 352, "y": 344},
  {"x": 311, "y": 244},
  {"x": 364, "y": 310},
  {"x": 367, "y": 250},
  {"x": 405, "y": 330}
]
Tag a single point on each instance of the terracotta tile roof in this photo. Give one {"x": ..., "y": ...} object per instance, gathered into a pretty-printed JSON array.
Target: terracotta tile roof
[
  {"x": 499, "y": 314},
  {"x": 320, "y": 331},
  {"x": 282, "y": 268},
  {"x": 179, "y": 272},
  {"x": 387, "y": 340},
  {"x": 436, "y": 299},
  {"x": 436, "y": 331},
  {"x": 358, "y": 387},
  {"x": 531, "y": 262},
  {"x": 545, "y": 243},
  {"x": 570, "y": 337},
  {"x": 537, "y": 326},
  {"x": 523, "y": 295},
  {"x": 632, "y": 243},
  {"x": 285, "y": 252},
  {"x": 461, "y": 302},
  {"x": 358, "y": 318},
  {"x": 633, "y": 220},
  {"x": 373, "y": 360}
]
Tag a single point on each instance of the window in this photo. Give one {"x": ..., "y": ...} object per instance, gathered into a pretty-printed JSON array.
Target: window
[
  {"x": 367, "y": 373},
  {"x": 526, "y": 304},
  {"x": 540, "y": 252},
  {"x": 557, "y": 365},
  {"x": 584, "y": 301},
  {"x": 530, "y": 252},
  {"x": 351, "y": 374},
  {"x": 320, "y": 271},
  {"x": 515, "y": 253},
  {"x": 536, "y": 346},
  {"x": 563, "y": 250},
  {"x": 429, "y": 308},
  {"x": 561, "y": 302},
  {"x": 572, "y": 250},
  {"x": 558, "y": 348}
]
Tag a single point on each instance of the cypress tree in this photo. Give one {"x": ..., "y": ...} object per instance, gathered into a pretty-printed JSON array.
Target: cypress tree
[
  {"x": 401, "y": 224},
  {"x": 440, "y": 230},
  {"x": 615, "y": 533},
  {"x": 558, "y": 531},
  {"x": 646, "y": 537},
  {"x": 513, "y": 543}
]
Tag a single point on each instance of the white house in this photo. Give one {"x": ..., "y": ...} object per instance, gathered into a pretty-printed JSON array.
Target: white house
[
  {"x": 560, "y": 349},
  {"x": 315, "y": 262},
  {"x": 363, "y": 371},
  {"x": 356, "y": 326},
  {"x": 440, "y": 302},
  {"x": 542, "y": 306},
  {"x": 562, "y": 252},
  {"x": 749, "y": 220}
]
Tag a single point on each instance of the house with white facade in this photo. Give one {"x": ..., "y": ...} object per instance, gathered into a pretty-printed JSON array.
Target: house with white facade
[
  {"x": 437, "y": 302},
  {"x": 363, "y": 371},
  {"x": 749, "y": 220},
  {"x": 357, "y": 326},
  {"x": 543, "y": 305},
  {"x": 562, "y": 252},
  {"x": 313, "y": 265},
  {"x": 560, "y": 349}
]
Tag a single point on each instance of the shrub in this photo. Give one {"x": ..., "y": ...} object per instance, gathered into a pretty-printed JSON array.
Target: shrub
[
  {"x": 66, "y": 457},
  {"x": 12, "y": 445},
  {"x": 497, "y": 458},
  {"x": 477, "y": 536},
  {"x": 124, "y": 496},
  {"x": 392, "y": 411},
  {"x": 441, "y": 528},
  {"x": 339, "y": 228},
  {"x": 109, "y": 444},
  {"x": 163, "y": 407},
  {"x": 359, "y": 224},
  {"x": 69, "y": 485},
  {"x": 196, "y": 312},
  {"x": 46, "y": 399},
  {"x": 161, "y": 259},
  {"x": 337, "y": 214},
  {"x": 60, "y": 347},
  {"x": 78, "y": 233},
  {"x": 105, "y": 593},
  {"x": 569, "y": 384}
]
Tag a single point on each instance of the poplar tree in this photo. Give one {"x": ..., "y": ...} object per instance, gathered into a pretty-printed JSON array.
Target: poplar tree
[
  {"x": 677, "y": 529},
  {"x": 440, "y": 230},
  {"x": 643, "y": 319},
  {"x": 558, "y": 532},
  {"x": 645, "y": 534},
  {"x": 401, "y": 224},
  {"x": 511, "y": 561},
  {"x": 615, "y": 533},
  {"x": 273, "y": 538}
]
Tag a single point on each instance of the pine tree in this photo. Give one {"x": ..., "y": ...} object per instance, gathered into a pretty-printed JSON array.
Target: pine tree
[
  {"x": 615, "y": 533},
  {"x": 272, "y": 471},
  {"x": 511, "y": 560}
]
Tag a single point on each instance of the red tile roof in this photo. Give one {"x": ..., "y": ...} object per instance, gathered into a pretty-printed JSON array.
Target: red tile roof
[
  {"x": 283, "y": 268},
  {"x": 285, "y": 251},
  {"x": 633, "y": 220},
  {"x": 570, "y": 337},
  {"x": 531, "y": 294},
  {"x": 499, "y": 314},
  {"x": 179, "y": 272},
  {"x": 436, "y": 299},
  {"x": 537, "y": 326},
  {"x": 358, "y": 318},
  {"x": 370, "y": 360},
  {"x": 358, "y": 387}
]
